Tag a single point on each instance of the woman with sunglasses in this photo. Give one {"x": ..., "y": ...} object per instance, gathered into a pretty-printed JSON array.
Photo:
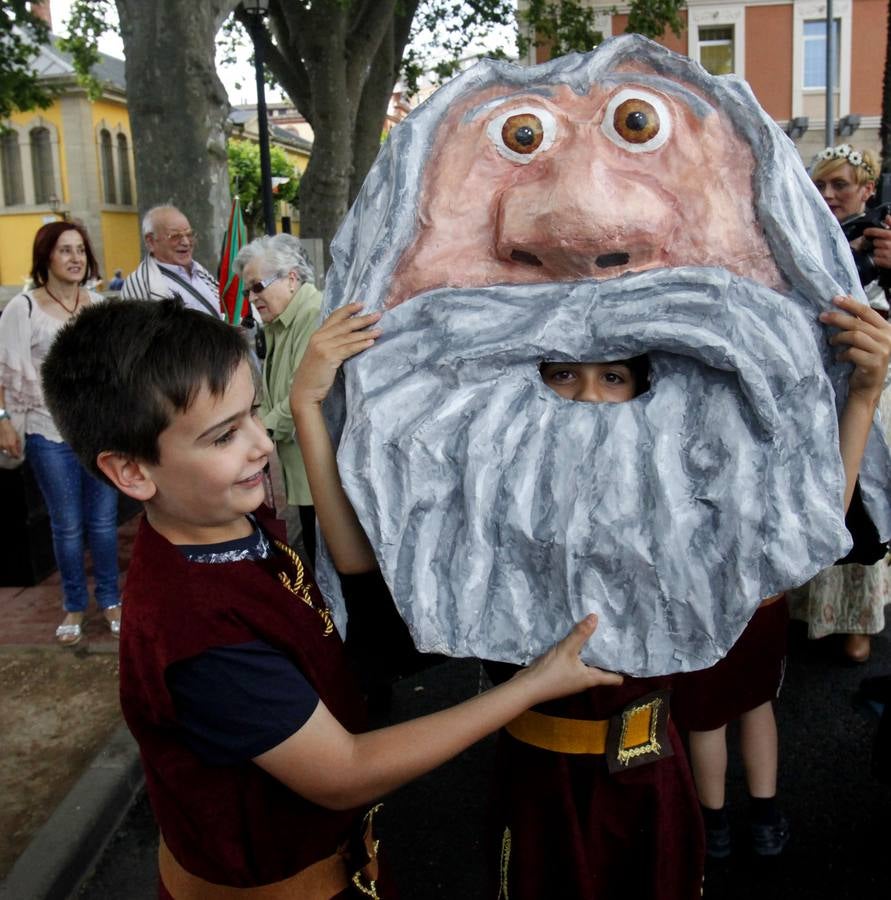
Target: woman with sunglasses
[
  {"x": 82, "y": 510},
  {"x": 278, "y": 281}
]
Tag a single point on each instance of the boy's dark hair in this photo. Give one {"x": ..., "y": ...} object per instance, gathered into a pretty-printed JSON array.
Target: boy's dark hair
[
  {"x": 116, "y": 374},
  {"x": 45, "y": 242}
]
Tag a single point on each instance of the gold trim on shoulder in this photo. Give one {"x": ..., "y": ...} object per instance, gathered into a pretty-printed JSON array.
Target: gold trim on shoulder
[{"x": 299, "y": 587}]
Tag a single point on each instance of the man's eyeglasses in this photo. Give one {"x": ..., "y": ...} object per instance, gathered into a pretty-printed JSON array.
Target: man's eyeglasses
[
  {"x": 174, "y": 237},
  {"x": 259, "y": 286}
]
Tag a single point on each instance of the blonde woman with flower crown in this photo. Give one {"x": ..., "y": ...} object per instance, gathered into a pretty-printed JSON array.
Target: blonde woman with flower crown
[{"x": 850, "y": 599}]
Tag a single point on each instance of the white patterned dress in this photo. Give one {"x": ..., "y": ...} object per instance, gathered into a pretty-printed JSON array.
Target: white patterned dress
[{"x": 847, "y": 599}]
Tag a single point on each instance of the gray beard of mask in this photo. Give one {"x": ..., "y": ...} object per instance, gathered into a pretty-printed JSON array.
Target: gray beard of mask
[{"x": 502, "y": 513}]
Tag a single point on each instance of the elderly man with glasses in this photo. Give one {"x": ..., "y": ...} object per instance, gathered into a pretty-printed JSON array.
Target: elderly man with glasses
[
  {"x": 279, "y": 282},
  {"x": 168, "y": 268}
]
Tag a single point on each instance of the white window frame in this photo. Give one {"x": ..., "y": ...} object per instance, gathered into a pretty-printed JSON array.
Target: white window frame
[
  {"x": 806, "y": 12},
  {"x": 114, "y": 131},
  {"x": 23, "y": 130},
  {"x": 716, "y": 17}
]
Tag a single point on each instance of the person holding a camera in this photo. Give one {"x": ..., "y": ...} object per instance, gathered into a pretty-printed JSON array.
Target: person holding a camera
[
  {"x": 849, "y": 599},
  {"x": 846, "y": 179}
]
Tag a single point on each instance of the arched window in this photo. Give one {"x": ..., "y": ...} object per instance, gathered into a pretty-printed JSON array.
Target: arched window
[
  {"x": 107, "y": 159},
  {"x": 42, "y": 164},
  {"x": 11, "y": 163},
  {"x": 124, "y": 171}
]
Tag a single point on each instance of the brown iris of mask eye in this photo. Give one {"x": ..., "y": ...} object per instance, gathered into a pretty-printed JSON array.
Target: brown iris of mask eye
[
  {"x": 636, "y": 121},
  {"x": 522, "y": 133}
]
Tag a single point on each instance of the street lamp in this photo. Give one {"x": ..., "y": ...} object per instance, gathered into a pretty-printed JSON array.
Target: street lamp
[
  {"x": 55, "y": 206},
  {"x": 847, "y": 125},
  {"x": 257, "y": 10},
  {"x": 797, "y": 127}
]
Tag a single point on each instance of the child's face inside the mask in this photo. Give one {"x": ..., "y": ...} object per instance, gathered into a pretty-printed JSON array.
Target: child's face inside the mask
[{"x": 591, "y": 382}]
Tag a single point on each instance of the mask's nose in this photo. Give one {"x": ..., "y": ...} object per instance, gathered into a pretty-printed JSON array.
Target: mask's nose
[{"x": 583, "y": 217}]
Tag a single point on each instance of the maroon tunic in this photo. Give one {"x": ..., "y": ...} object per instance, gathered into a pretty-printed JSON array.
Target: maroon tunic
[
  {"x": 233, "y": 825},
  {"x": 748, "y": 676},
  {"x": 565, "y": 827}
]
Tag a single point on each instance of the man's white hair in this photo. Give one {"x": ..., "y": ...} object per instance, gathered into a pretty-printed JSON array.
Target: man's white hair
[{"x": 148, "y": 220}]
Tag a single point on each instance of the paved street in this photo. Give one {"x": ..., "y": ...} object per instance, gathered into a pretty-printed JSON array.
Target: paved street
[{"x": 431, "y": 830}]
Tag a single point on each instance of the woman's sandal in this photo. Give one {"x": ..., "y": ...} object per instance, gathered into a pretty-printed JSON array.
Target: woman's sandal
[
  {"x": 114, "y": 620},
  {"x": 70, "y": 632}
]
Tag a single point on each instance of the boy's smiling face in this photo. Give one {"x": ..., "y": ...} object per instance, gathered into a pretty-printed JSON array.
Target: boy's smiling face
[{"x": 211, "y": 465}]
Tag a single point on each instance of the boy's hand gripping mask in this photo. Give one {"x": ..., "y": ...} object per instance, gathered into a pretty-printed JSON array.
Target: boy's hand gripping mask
[{"x": 595, "y": 208}]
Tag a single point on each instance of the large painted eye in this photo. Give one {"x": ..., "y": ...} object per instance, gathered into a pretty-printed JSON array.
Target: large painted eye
[
  {"x": 637, "y": 120},
  {"x": 522, "y": 133}
]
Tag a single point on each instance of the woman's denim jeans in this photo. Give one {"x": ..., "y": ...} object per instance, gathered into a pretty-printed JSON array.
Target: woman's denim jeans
[{"x": 79, "y": 505}]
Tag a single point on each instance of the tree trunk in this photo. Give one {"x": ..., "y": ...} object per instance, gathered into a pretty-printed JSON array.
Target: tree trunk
[
  {"x": 178, "y": 112},
  {"x": 376, "y": 94},
  {"x": 337, "y": 62},
  {"x": 324, "y": 186}
]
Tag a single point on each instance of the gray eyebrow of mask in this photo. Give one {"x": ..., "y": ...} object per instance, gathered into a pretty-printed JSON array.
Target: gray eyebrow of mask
[
  {"x": 529, "y": 93},
  {"x": 665, "y": 85}
]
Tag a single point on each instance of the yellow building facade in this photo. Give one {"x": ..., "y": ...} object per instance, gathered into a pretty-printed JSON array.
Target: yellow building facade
[{"x": 74, "y": 160}]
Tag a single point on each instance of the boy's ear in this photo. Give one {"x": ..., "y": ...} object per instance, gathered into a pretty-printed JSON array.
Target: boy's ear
[{"x": 126, "y": 474}]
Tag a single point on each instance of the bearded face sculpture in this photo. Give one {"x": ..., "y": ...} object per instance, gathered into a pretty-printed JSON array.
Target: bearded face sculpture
[{"x": 595, "y": 208}]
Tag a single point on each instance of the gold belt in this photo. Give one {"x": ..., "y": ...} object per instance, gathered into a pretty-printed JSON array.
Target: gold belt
[
  {"x": 320, "y": 881},
  {"x": 635, "y": 736}
]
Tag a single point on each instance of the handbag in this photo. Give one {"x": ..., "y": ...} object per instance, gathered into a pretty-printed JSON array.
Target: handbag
[{"x": 17, "y": 420}]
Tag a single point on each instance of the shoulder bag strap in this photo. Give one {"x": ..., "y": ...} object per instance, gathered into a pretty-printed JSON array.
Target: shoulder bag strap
[{"x": 185, "y": 284}]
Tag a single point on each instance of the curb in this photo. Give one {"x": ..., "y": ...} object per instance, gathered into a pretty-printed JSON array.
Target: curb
[{"x": 62, "y": 853}]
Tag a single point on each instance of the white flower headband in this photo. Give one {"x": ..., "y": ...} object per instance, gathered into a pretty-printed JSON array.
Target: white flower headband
[{"x": 846, "y": 152}]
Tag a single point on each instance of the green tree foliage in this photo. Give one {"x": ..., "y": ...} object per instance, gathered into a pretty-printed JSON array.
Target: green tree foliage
[
  {"x": 244, "y": 180},
  {"x": 89, "y": 20},
  {"x": 652, "y": 17},
  {"x": 21, "y": 35},
  {"x": 567, "y": 26},
  {"x": 562, "y": 27}
]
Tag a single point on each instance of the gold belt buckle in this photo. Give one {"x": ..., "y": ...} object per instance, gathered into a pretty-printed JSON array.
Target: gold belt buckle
[{"x": 639, "y": 733}]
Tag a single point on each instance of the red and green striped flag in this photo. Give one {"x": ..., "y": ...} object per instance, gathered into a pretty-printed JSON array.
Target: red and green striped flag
[{"x": 233, "y": 304}]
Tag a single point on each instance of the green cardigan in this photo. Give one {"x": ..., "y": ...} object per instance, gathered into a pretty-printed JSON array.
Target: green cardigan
[{"x": 286, "y": 340}]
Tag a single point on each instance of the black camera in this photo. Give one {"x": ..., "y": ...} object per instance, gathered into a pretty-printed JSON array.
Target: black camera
[{"x": 874, "y": 217}]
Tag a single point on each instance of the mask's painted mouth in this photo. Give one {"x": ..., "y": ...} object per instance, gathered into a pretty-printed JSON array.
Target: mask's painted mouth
[
  {"x": 609, "y": 260},
  {"x": 521, "y": 256},
  {"x": 604, "y": 261}
]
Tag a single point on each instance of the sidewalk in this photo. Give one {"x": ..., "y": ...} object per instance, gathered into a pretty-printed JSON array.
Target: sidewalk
[
  {"x": 64, "y": 850},
  {"x": 31, "y": 614}
]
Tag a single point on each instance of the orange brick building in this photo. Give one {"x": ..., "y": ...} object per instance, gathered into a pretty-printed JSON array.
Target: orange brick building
[{"x": 780, "y": 49}]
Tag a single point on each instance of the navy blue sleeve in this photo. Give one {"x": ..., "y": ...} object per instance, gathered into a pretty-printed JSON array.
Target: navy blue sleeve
[{"x": 234, "y": 703}]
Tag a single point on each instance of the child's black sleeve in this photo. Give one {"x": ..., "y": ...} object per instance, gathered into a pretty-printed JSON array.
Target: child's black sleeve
[
  {"x": 234, "y": 703},
  {"x": 867, "y": 549}
]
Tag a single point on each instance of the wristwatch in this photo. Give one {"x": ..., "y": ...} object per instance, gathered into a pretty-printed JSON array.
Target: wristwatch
[{"x": 3, "y": 414}]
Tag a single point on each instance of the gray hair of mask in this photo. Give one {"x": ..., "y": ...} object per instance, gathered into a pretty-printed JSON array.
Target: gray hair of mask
[
  {"x": 803, "y": 236},
  {"x": 279, "y": 253}
]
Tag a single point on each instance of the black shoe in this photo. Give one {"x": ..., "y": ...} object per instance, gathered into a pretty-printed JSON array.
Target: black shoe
[
  {"x": 717, "y": 841},
  {"x": 771, "y": 839}
]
